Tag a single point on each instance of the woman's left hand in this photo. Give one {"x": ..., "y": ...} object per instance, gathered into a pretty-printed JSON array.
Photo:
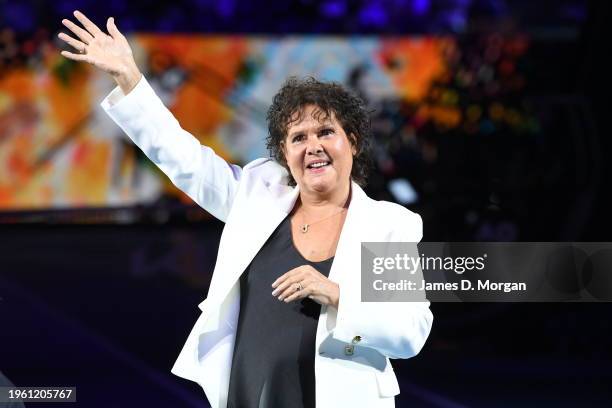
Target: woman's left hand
[{"x": 314, "y": 285}]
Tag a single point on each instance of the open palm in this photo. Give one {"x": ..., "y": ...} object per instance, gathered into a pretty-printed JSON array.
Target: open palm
[{"x": 109, "y": 52}]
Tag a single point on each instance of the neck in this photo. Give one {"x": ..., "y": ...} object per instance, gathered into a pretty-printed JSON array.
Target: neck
[{"x": 315, "y": 203}]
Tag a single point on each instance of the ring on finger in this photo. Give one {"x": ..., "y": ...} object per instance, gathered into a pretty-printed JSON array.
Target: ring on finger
[{"x": 299, "y": 287}]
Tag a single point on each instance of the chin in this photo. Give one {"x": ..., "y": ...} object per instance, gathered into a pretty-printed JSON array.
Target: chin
[
  {"x": 317, "y": 186},
  {"x": 320, "y": 189},
  {"x": 320, "y": 186}
]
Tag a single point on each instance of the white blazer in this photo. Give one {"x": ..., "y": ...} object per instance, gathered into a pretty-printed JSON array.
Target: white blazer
[{"x": 252, "y": 201}]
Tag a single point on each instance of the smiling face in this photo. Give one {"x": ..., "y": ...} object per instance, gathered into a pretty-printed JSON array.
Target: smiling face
[{"x": 318, "y": 152}]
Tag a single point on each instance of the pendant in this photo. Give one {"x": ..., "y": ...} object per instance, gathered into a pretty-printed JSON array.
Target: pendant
[{"x": 304, "y": 228}]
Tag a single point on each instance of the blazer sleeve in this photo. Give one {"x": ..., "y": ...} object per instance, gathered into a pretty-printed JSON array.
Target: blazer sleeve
[
  {"x": 195, "y": 169},
  {"x": 395, "y": 329}
]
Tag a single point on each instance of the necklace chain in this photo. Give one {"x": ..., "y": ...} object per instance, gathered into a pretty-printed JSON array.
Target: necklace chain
[{"x": 305, "y": 226}]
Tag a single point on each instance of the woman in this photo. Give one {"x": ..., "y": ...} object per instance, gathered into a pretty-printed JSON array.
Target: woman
[{"x": 283, "y": 324}]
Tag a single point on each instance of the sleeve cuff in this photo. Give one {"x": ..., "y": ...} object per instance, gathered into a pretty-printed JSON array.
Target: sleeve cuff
[
  {"x": 116, "y": 96},
  {"x": 123, "y": 108}
]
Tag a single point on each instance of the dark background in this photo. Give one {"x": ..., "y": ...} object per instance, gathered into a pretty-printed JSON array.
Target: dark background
[{"x": 107, "y": 307}]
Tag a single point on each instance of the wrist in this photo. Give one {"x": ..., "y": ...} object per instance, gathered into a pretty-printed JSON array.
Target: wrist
[{"x": 128, "y": 78}]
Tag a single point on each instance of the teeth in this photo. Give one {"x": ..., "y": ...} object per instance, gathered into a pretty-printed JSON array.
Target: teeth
[{"x": 315, "y": 165}]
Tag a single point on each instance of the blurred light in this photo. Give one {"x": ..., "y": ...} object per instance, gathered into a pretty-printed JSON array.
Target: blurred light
[
  {"x": 373, "y": 14},
  {"x": 487, "y": 127},
  {"x": 226, "y": 8},
  {"x": 496, "y": 111},
  {"x": 172, "y": 78},
  {"x": 333, "y": 8},
  {"x": 473, "y": 113},
  {"x": 19, "y": 17},
  {"x": 66, "y": 7},
  {"x": 457, "y": 20},
  {"x": 576, "y": 12},
  {"x": 402, "y": 191},
  {"x": 420, "y": 7}
]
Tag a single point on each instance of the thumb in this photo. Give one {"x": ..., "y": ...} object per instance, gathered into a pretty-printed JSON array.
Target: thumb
[{"x": 112, "y": 28}]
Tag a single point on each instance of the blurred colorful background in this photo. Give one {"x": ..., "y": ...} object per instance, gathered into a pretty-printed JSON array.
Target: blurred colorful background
[{"x": 490, "y": 119}]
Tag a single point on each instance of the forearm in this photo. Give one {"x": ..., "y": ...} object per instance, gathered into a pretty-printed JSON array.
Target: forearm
[
  {"x": 128, "y": 79},
  {"x": 195, "y": 169}
]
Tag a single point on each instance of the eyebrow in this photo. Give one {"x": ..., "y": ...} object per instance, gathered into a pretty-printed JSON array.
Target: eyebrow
[{"x": 326, "y": 124}]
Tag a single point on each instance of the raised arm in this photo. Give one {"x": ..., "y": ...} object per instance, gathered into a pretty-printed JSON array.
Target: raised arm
[{"x": 204, "y": 176}]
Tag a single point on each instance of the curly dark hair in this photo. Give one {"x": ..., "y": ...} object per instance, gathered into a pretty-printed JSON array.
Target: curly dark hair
[{"x": 348, "y": 108}]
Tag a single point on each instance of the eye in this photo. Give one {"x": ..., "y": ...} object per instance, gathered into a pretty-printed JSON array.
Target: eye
[
  {"x": 327, "y": 131},
  {"x": 297, "y": 138}
]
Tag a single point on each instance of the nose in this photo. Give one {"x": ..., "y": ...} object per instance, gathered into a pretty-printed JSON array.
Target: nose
[{"x": 313, "y": 146}]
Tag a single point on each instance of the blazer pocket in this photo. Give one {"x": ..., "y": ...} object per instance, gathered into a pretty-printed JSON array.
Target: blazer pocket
[{"x": 387, "y": 383}]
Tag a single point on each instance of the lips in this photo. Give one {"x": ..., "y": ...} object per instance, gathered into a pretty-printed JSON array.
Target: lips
[{"x": 318, "y": 164}]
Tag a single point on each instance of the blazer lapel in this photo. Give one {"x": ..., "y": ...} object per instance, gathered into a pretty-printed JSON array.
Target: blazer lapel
[
  {"x": 353, "y": 233},
  {"x": 351, "y": 230},
  {"x": 255, "y": 222}
]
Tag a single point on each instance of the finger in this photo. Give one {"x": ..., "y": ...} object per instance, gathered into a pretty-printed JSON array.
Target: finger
[
  {"x": 280, "y": 279},
  {"x": 305, "y": 292},
  {"x": 287, "y": 275},
  {"x": 88, "y": 24},
  {"x": 76, "y": 57},
  {"x": 78, "y": 31},
  {"x": 282, "y": 287},
  {"x": 112, "y": 28},
  {"x": 295, "y": 296},
  {"x": 76, "y": 44},
  {"x": 291, "y": 290}
]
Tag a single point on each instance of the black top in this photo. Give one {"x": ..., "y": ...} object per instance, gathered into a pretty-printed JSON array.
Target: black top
[{"x": 273, "y": 363}]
